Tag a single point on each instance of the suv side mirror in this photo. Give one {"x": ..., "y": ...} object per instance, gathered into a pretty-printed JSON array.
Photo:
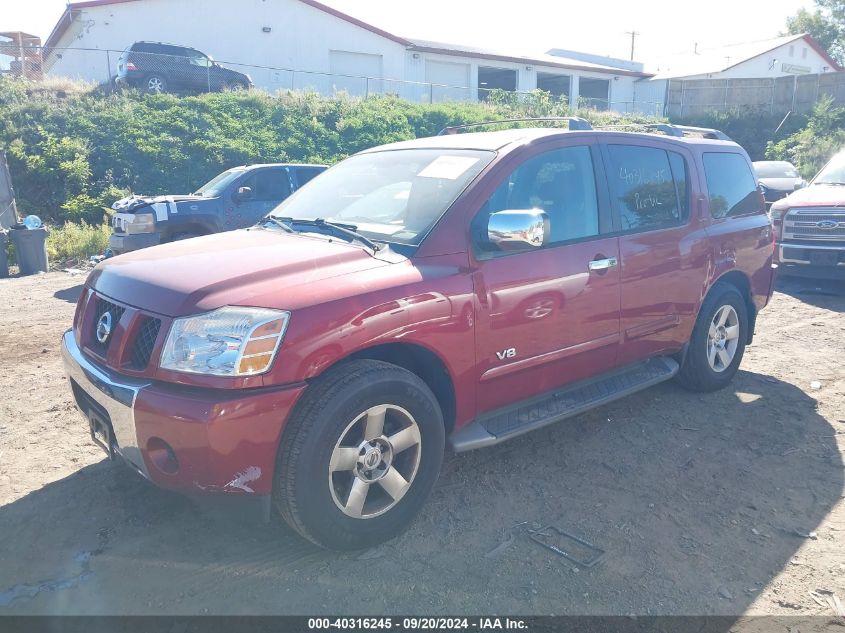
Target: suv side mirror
[
  {"x": 514, "y": 230},
  {"x": 243, "y": 193}
]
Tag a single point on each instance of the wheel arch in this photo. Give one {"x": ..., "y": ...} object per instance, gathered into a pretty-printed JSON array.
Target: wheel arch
[
  {"x": 420, "y": 361},
  {"x": 199, "y": 228},
  {"x": 742, "y": 283}
]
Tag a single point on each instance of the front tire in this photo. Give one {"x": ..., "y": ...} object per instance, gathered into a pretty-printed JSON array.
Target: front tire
[
  {"x": 718, "y": 340},
  {"x": 359, "y": 456}
]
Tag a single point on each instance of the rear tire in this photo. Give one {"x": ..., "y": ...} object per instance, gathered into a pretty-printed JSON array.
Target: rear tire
[
  {"x": 359, "y": 456},
  {"x": 718, "y": 340},
  {"x": 155, "y": 84}
]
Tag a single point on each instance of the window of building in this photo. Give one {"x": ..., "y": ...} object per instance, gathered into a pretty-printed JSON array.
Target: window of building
[
  {"x": 594, "y": 93},
  {"x": 792, "y": 51},
  {"x": 804, "y": 54},
  {"x": 650, "y": 186},
  {"x": 557, "y": 85},
  {"x": 495, "y": 79},
  {"x": 731, "y": 185}
]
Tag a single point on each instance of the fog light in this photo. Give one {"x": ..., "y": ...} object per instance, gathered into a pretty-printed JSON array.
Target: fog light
[{"x": 162, "y": 456}]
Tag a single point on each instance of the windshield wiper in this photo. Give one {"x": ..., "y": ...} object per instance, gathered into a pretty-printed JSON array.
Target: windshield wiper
[
  {"x": 833, "y": 184},
  {"x": 347, "y": 230},
  {"x": 278, "y": 222}
]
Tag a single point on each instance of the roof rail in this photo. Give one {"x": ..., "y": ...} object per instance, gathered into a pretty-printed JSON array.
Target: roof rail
[
  {"x": 673, "y": 130},
  {"x": 575, "y": 123}
]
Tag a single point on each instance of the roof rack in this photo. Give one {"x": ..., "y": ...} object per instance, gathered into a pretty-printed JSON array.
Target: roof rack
[
  {"x": 575, "y": 123},
  {"x": 674, "y": 130}
]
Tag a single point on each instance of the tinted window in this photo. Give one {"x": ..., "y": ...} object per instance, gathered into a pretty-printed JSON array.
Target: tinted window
[
  {"x": 731, "y": 185},
  {"x": 561, "y": 183},
  {"x": 145, "y": 47},
  {"x": 305, "y": 174},
  {"x": 268, "y": 185},
  {"x": 647, "y": 186},
  {"x": 680, "y": 176}
]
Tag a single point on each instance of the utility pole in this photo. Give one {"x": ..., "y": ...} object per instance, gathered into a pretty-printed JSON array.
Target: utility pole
[{"x": 633, "y": 35}]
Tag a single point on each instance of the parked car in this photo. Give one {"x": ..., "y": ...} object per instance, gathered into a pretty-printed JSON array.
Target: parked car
[
  {"x": 465, "y": 288},
  {"x": 237, "y": 198},
  {"x": 777, "y": 179},
  {"x": 156, "y": 67},
  {"x": 810, "y": 224}
]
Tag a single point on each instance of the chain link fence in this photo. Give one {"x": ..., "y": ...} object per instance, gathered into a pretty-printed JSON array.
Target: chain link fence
[
  {"x": 186, "y": 71},
  {"x": 794, "y": 93}
]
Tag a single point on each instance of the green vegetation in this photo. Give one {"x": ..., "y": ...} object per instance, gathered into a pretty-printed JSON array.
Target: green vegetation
[
  {"x": 73, "y": 149},
  {"x": 70, "y": 157},
  {"x": 75, "y": 242},
  {"x": 812, "y": 146}
]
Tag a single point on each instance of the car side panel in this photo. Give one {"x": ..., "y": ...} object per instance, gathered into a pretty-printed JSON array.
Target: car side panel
[
  {"x": 744, "y": 244},
  {"x": 664, "y": 273}
]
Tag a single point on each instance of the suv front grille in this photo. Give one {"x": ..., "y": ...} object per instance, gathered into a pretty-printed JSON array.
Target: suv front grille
[
  {"x": 142, "y": 347},
  {"x": 814, "y": 224},
  {"x": 101, "y": 307}
]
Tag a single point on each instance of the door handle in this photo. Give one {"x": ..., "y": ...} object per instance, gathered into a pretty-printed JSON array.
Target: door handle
[{"x": 603, "y": 264}]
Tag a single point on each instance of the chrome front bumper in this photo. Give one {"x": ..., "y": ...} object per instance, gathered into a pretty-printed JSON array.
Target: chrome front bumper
[
  {"x": 114, "y": 395},
  {"x": 789, "y": 253}
]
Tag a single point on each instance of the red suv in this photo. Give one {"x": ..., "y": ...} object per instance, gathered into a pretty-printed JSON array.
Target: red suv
[{"x": 460, "y": 289}]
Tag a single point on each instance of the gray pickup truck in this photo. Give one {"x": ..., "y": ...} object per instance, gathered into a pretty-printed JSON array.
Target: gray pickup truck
[{"x": 237, "y": 198}]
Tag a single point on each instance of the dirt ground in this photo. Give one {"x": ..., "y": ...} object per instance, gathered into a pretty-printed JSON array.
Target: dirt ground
[{"x": 727, "y": 503}]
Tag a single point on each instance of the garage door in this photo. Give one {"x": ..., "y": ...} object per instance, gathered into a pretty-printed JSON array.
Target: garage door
[
  {"x": 355, "y": 72},
  {"x": 451, "y": 81}
]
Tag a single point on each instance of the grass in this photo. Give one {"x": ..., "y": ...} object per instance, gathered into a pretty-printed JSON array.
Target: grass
[{"x": 74, "y": 243}]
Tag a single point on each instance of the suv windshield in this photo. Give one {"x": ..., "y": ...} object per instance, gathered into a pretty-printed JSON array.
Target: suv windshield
[
  {"x": 218, "y": 184},
  {"x": 775, "y": 170},
  {"x": 391, "y": 196},
  {"x": 833, "y": 173}
]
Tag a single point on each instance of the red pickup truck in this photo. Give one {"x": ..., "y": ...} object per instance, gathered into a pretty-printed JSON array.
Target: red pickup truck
[
  {"x": 458, "y": 290},
  {"x": 810, "y": 225}
]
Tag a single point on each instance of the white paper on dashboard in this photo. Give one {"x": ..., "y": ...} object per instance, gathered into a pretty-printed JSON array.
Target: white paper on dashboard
[{"x": 449, "y": 167}]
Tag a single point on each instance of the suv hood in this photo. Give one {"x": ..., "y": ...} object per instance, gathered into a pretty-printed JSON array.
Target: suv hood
[
  {"x": 265, "y": 268},
  {"x": 815, "y": 196},
  {"x": 131, "y": 204}
]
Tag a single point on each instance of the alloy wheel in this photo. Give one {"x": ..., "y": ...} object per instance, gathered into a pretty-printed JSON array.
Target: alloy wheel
[
  {"x": 375, "y": 461},
  {"x": 723, "y": 338}
]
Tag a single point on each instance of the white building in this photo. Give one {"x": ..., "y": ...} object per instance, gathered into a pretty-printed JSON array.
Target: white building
[
  {"x": 298, "y": 44},
  {"x": 779, "y": 57}
]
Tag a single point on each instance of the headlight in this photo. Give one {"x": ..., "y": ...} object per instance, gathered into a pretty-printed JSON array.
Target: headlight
[
  {"x": 143, "y": 223},
  {"x": 231, "y": 341}
]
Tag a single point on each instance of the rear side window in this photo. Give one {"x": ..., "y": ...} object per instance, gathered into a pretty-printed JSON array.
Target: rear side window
[
  {"x": 731, "y": 185},
  {"x": 650, "y": 185}
]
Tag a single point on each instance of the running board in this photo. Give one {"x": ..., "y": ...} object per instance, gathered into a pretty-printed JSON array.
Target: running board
[{"x": 503, "y": 424}]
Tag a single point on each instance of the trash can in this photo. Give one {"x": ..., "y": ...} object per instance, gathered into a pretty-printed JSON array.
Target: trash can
[
  {"x": 4, "y": 261},
  {"x": 30, "y": 249}
]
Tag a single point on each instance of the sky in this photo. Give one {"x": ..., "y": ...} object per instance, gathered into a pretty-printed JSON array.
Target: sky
[{"x": 531, "y": 26}]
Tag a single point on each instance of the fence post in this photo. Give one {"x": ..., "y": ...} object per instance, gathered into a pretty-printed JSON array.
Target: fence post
[
  {"x": 108, "y": 68},
  {"x": 727, "y": 87},
  {"x": 208, "y": 72}
]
